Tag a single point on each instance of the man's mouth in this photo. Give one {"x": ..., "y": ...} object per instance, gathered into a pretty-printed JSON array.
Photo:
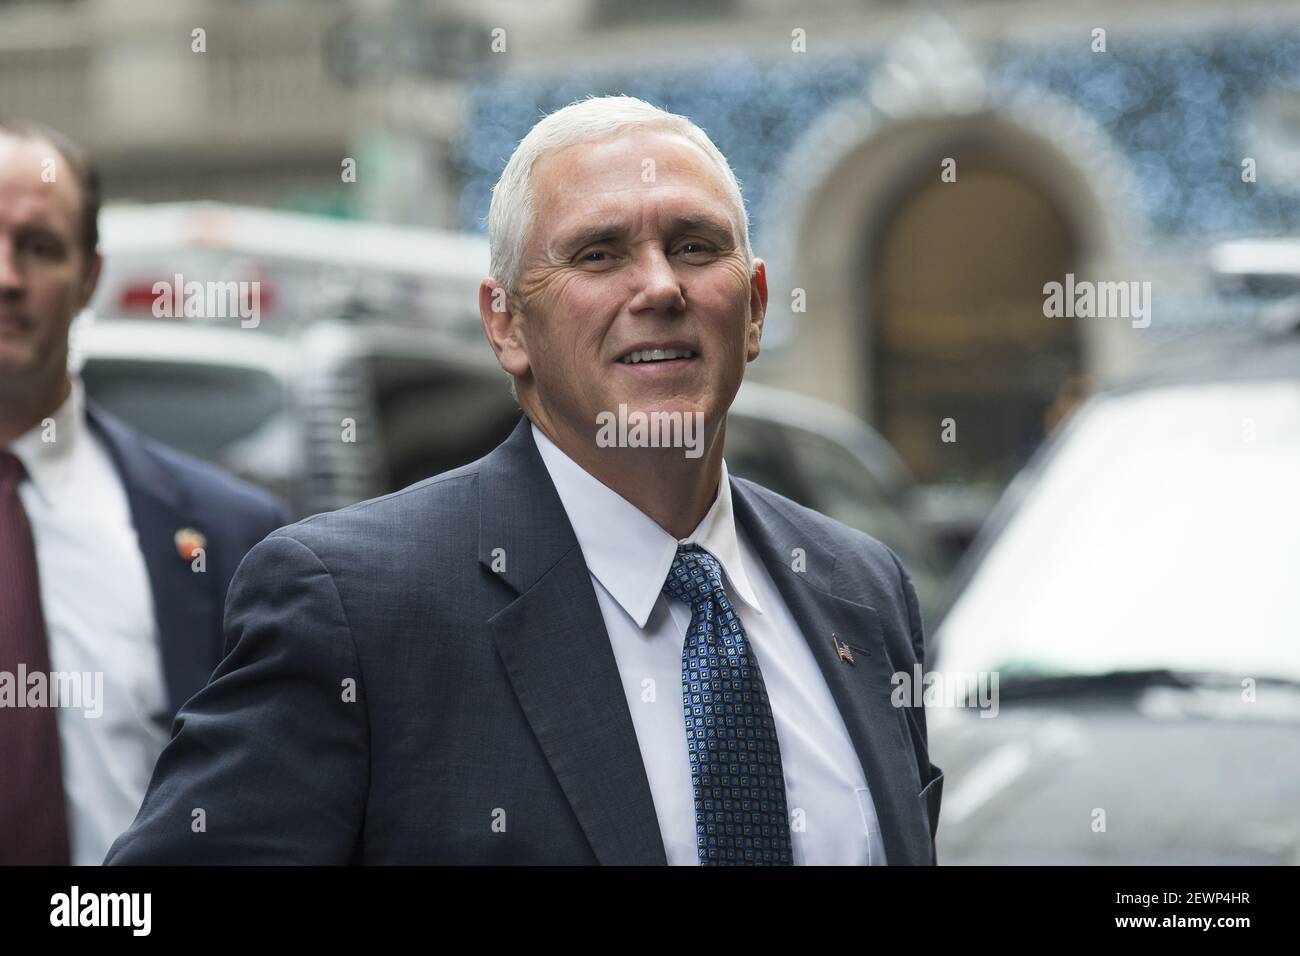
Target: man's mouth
[{"x": 656, "y": 355}]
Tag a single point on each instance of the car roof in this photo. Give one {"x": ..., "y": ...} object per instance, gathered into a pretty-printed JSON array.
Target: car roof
[
  {"x": 130, "y": 228},
  {"x": 794, "y": 410},
  {"x": 122, "y": 339},
  {"x": 1250, "y": 355}
]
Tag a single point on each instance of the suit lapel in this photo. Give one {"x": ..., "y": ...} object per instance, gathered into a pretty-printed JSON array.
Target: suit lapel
[
  {"x": 557, "y": 654},
  {"x": 862, "y": 689},
  {"x": 182, "y": 599}
]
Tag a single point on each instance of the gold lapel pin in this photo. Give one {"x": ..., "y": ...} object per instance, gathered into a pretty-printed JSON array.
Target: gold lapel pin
[
  {"x": 846, "y": 655},
  {"x": 188, "y": 542}
]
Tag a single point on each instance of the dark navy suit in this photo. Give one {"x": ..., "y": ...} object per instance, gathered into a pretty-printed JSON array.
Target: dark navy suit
[
  {"x": 427, "y": 678},
  {"x": 167, "y": 492}
]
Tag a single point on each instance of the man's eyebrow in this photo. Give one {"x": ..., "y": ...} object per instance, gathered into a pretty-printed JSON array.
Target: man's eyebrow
[
  {"x": 701, "y": 223},
  {"x": 40, "y": 230},
  {"x": 607, "y": 232},
  {"x": 587, "y": 235},
  {"x": 38, "y": 226}
]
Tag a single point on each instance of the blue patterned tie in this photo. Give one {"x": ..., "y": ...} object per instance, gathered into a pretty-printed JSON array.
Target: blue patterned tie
[{"x": 740, "y": 812}]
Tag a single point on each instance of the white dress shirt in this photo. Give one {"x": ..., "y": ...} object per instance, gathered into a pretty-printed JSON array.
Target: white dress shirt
[
  {"x": 99, "y": 618},
  {"x": 833, "y": 819}
]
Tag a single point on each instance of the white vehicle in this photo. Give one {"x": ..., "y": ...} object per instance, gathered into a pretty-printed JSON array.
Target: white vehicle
[
  {"x": 306, "y": 266},
  {"x": 1134, "y": 595}
]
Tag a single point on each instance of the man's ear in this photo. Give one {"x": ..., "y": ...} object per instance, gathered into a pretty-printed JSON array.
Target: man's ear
[
  {"x": 502, "y": 324},
  {"x": 757, "y": 309},
  {"x": 90, "y": 281}
]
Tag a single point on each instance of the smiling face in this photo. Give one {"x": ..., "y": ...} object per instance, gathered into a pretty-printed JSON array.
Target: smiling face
[
  {"x": 46, "y": 277},
  {"x": 634, "y": 246}
]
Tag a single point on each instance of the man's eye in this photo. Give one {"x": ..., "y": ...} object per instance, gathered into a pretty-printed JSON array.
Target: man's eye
[
  {"x": 695, "y": 248},
  {"x": 591, "y": 256},
  {"x": 42, "y": 246}
]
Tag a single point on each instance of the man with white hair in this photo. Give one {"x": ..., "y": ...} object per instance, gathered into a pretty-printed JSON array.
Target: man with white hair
[{"x": 592, "y": 645}]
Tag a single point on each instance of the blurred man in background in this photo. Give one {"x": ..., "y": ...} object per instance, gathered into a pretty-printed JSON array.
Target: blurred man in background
[{"x": 115, "y": 553}]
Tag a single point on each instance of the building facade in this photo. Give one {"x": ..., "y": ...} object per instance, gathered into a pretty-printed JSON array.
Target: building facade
[{"x": 915, "y": 177}]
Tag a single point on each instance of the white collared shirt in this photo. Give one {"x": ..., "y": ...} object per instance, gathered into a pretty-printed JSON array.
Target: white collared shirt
[
  {"x": 99, "y": 618},
  {"x": 833, "y": 819}
]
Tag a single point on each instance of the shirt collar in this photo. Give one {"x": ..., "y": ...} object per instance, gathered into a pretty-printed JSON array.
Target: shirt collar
[
  {"x": 623, "y": 547},
  {"x": 47, "y": 461}
]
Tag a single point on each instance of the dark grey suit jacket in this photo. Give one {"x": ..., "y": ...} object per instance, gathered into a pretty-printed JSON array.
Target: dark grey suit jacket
[{"x": 488, "y": 723}]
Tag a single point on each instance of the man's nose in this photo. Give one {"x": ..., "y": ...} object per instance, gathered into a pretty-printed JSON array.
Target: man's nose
[
  {"x": 11, "y": 277},
  {"x": 659, "y": 286}
]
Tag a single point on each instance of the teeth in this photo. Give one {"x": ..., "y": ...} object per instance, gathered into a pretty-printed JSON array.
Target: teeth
[{"x": 656, "y": 355}]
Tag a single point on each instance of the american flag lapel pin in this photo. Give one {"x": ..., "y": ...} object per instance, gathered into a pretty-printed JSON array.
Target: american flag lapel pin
[
  {"x": 842, "y": 650},
  {"x": 188, "y": 542}
]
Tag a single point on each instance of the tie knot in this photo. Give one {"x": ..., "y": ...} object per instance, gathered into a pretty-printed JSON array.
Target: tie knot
[{"x": 695, "y": 575}]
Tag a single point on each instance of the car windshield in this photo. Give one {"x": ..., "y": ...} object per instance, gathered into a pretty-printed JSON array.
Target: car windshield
[
  {"x": 1163, "y": 533},
  {"x": 210, "y": 411}
]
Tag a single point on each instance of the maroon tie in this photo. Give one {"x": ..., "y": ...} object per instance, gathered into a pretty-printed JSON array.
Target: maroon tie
[{"x": 33, "y": 821}]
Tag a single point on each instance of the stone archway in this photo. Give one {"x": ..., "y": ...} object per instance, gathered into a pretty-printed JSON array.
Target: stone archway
[
  {"x": 873, "y": 165},
  {"x": 955, "y": 325}
]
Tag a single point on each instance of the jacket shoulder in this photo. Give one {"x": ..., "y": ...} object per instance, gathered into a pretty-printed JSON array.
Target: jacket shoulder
[
  {"x": 439, "y": 508},
  {"x": 227, "y": 493}
]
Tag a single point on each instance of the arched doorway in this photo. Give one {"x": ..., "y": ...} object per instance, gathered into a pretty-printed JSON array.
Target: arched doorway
[{"x": 956, "y": 329}]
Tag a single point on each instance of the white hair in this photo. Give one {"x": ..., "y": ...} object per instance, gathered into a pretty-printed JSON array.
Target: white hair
[{"x": 598, "y": 117}]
